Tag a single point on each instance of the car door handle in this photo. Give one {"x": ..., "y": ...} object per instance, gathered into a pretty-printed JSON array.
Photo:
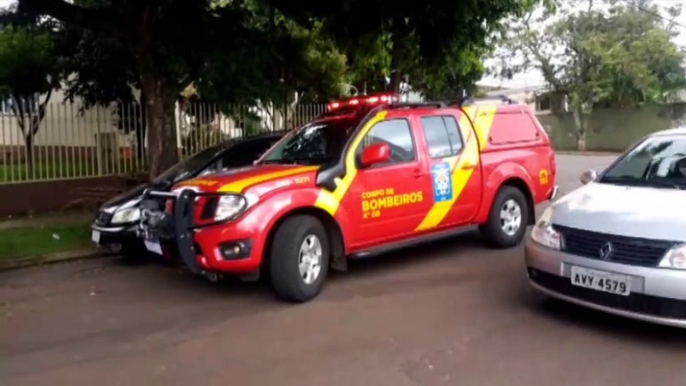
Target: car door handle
[
  {"x": 417, "y": 173},
  {"x": 468, "y": 166}
]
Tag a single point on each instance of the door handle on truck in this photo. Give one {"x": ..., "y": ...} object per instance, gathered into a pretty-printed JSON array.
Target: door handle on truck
[
  {"x": 468, "y": 166},
  {"x": 417, "y": 173}
]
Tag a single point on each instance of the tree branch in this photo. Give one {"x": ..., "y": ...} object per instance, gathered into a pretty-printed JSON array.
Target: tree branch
[
  {"x": 18, "y": 110},
  {"x": 94, "y": 19},
  {"x": 35, "y": 125}
]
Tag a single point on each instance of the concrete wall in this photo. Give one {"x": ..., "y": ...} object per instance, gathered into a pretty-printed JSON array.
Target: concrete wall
[
  {"x": 614, "y": 129},
  {"x": 53, "y": 196}
]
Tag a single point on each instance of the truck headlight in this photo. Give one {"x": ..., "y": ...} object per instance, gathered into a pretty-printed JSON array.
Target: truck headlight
[
  {"x": 675, "y": 258},
  {"x": 230, "y": 206},
  {"x": 543, "y": 232},
  {"x": 125, "y": 216}
]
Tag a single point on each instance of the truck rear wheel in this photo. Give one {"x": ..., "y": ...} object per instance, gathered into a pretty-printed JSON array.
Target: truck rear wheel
[
  {"x": 299, "y": 258},
  {"x": 507, "y": 220}
]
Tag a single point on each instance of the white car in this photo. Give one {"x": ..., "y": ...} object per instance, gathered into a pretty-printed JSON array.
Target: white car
[{"x": 618, "y": 244}]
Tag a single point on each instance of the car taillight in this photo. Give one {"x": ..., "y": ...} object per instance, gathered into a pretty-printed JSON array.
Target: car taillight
[
  {"x": 553, "y": 166},
  {"x": 169, "y": 206}
]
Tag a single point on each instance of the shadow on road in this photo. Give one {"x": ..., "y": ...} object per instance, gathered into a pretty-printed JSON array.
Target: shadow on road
[
  {"x": 444, "y": 249},
  {"x": 360, "y": 271},
  {"x": 609, "y": 325}
]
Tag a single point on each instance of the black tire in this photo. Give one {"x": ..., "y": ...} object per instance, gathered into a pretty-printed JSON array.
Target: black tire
[
  {"x": 492, "y": 231},
  {"x": 134, "y": 253},
  {"x": 284, "y": 270}
]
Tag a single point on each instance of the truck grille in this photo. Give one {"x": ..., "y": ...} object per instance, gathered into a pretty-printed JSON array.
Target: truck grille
[
  {"x": 103, "y": 218},
  {"x": 623, "y": 250},
  {"x": 638, "y": 303}
]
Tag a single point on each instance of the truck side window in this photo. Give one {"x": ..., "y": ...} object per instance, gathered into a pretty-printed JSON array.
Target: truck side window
[
  {"x": 453, "y": 134},
  {"x": 442, "y": 136},
  {"x": 396, "y": 133}
]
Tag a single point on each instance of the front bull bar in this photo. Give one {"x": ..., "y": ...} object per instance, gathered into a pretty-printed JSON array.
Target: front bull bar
[
  {"x": 184, "y": 226},
  {"x": 182, "y": 221}
]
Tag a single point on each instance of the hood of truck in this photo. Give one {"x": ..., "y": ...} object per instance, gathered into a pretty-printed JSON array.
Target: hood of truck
[{"x": 259, "y": 180}]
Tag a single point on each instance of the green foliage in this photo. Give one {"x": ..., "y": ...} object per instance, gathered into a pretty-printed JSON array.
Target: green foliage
[
  {"x": 28, "y": 62},
  {"x": 104, "y": 70},
  {"x": 282, "y": 60},
  {"x": 623, "y": 56},
  {"x": 30, "y": 69},
  {"x": 40, "y": 240},
  {"x": 422, "y": 43},
  {"x": 620, "y": 57}
]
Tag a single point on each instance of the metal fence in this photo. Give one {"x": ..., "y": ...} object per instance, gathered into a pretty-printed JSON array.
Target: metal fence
[{"x": 71, "y": 142}]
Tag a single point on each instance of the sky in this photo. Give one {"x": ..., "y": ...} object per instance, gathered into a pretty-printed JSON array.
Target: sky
[{"x": 533, "y": 78}]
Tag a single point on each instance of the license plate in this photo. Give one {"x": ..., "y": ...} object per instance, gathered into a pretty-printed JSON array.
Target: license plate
[
  {"x": 601, "y": 281},
  {"x": 153, "y": 246},
  {"x": 95, "y": 236}
]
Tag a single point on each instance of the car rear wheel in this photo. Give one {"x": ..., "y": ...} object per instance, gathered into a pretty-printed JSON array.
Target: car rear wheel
[
  {"x": 299, "y": 259},
  {"x": 507, "y": 220}
]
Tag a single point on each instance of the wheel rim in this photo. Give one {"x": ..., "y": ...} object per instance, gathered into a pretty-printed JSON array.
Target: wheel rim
[
  {"x": 510, "y": 217},
  {"x": 310, "y": 259}
]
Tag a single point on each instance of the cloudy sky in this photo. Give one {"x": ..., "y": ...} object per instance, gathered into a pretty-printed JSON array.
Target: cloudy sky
[{"x": 533, "y": 78}]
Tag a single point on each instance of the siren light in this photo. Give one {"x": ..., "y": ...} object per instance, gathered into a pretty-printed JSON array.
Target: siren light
[{"x": 365, "y": 100}]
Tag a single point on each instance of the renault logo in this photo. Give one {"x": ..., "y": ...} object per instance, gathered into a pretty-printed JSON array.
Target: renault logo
[{"x": 605, "y": 251}]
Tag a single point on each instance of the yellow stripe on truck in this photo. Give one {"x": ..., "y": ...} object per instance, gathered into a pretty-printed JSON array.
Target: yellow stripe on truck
[
  {"x": 483, "y": 121},
  {"x": 330, "y": 201},
  {"x": 240, "y": 185}
]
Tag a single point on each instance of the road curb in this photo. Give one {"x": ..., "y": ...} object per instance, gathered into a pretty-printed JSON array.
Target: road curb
[{"x": 30, "y": 261}]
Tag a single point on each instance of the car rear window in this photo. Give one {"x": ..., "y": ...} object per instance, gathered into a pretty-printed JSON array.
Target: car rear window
[{"x": 513, "y": 127}]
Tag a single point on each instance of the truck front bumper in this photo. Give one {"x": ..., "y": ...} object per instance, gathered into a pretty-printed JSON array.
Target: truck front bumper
[{"x": 231, "y": 247}]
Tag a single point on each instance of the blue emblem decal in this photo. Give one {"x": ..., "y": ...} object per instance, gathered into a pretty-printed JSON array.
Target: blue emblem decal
[{"x": 442, "y": 181}]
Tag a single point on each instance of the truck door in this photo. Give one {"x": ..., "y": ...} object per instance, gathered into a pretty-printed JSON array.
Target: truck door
[
  {"x": 455, "y": 171},
  {"x": 387, "y": 201}
]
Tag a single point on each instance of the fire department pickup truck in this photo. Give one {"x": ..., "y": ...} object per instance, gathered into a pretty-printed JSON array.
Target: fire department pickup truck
[{"x": 368, "y": 176}]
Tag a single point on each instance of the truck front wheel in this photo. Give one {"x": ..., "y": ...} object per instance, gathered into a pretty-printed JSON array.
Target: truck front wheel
[
  {"x": 299, "y": 258},
  {"x": 507, "y": 220}
]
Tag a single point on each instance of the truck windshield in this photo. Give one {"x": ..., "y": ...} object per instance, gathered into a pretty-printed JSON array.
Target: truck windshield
[
  {"x": 316, "y": 143},
  {"x": 658, "y": 161}
]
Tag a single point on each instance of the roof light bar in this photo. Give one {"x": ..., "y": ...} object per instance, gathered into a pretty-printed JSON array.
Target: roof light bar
[{"x": 369, "y": 100}]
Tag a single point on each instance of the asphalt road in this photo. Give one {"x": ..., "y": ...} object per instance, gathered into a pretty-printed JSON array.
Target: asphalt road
[{"x": 450, "y": 313}]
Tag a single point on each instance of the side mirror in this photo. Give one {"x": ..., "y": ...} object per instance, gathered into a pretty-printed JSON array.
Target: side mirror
[
  {"x": 588, "y": 176},
  {"x": 375, "y": 154}
]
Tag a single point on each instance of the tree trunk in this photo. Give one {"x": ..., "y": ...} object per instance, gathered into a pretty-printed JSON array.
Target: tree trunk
[
  {"x": 396, "y": 74},
  {"x": 160, "y": 99},
  {"x": 141, "y": 126},
  {"x": 396, "y": 77},
  {"x": 581, "y": 123},
  {"x": 28, "y": 143},
  {"x": 581, "y": 141}
]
